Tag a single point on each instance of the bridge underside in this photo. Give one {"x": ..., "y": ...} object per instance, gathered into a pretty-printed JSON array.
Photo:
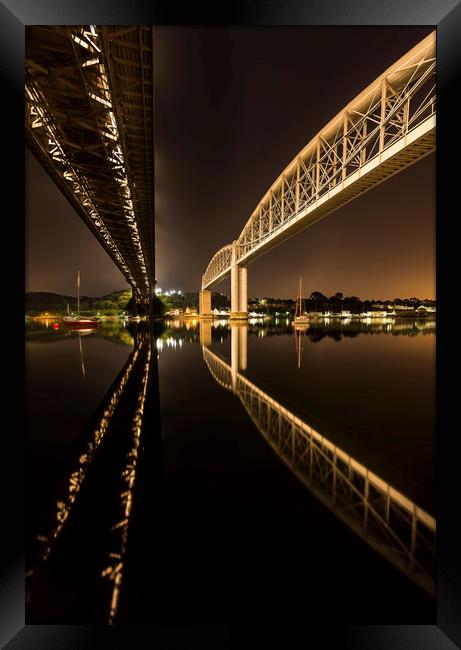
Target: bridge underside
[{"x": 89, "y": 121}]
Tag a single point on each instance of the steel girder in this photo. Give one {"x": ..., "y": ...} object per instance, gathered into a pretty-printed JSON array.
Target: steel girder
[
  {"x": 387, "y": 127},
  {"x": 382, "y": 516},
  {"x": 89, "y": 121}
]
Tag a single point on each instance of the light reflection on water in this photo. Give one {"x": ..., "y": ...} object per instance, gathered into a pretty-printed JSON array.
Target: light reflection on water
[
  {"x": 403, "y": 370},
  {"x": 264, "y": 360},
  {"x": 337, "y": 479}
]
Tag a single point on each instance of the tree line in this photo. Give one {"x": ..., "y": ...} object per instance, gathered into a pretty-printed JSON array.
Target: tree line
[
  {"x": 318, "y": 302},
  {"x": 112, "y": 304}
]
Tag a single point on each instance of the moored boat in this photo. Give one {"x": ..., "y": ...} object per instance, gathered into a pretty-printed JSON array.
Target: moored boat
[
  {"x": 79, "y": 322},
  {"x": 301, "y": 319}
]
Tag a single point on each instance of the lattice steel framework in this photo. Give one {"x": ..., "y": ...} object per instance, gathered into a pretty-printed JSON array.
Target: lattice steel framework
[
  {"x": 387, "y": 127},
  {"x": 219, "y": 265},
  {"x": 381, "y": 515},
  {"x": 89, "y": 121}
]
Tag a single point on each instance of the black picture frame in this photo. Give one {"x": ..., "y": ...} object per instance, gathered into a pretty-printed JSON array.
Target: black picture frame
[{"x": 445, "y": 15}]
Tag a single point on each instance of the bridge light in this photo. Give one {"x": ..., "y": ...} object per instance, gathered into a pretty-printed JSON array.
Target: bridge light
[
  {"x": 109, "y": 135},
  {"x": 101, "y": 100},
  {"x": 89, "y": 62},
  {"x": 81, "y": 42}
]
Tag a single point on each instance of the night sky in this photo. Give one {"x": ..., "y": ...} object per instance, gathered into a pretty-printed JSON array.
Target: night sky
[{"x": 233, "y": 107}]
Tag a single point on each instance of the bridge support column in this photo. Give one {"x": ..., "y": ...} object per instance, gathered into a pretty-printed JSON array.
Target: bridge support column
[
  {"x": 234, "y": 355},
  {"x": 243, "y": 338},
  {"x": 243, "y": 290},
  {"x": 239, "y": 331},
  {"x": 234, "y": 281},
  {"x": 205, "y": 303},
  {"x": 205, "y": 333},
  {"x": 239, "y": 300}
]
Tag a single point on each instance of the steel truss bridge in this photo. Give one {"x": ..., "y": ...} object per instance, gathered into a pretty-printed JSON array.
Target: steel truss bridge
[
  {"x": 383, "y": 517},
  {"x": 89, "y": 120},
  {"x": 387, "y": 127}
]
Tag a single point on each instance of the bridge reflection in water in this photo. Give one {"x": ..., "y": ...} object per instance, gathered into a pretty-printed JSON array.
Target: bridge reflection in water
[
  {"x": 102, "y": 478},
  {"x": 391, "y": 523},
  {"x": 97, "y": 523}
]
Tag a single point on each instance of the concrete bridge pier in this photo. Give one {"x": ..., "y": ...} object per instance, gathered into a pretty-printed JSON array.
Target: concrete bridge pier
[
  {"x": 205, "y": 333},
  {"x": 239, "y": 288},
  {"x": 205, "y": 303},
  {"x": 234, "y": 355},
  {"x": 243, "y": 334},
  {"x": 239, "y": 332}
]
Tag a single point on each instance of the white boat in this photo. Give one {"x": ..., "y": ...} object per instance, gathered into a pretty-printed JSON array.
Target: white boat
[{"x": 301, "y": 318}]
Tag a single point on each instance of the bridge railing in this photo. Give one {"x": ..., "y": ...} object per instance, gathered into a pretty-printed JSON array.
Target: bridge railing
[{"x": 381, "y": 515}]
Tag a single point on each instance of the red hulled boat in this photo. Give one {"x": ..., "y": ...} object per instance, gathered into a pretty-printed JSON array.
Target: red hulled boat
[{"x": 79, "y": 322}]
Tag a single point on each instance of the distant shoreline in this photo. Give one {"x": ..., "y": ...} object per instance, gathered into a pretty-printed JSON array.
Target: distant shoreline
[{"x": 313, "y": 316}]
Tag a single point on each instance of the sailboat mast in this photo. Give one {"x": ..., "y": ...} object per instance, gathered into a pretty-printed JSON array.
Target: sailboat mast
[{"x": 78, "y": 293}]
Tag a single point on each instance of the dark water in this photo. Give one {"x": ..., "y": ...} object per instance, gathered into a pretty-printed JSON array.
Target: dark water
[{"x": 197, "y": 509}]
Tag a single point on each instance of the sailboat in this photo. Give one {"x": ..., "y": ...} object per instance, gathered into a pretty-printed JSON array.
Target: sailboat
[
  {"x": 79, "y": 322},
  {"x": 301, "y": 318}
]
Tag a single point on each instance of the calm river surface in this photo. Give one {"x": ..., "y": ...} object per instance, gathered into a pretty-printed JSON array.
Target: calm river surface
[{"x": 212, "y": 506}]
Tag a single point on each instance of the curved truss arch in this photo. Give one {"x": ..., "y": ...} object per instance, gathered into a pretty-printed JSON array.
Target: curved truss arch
[
  {"x": 219, "y": 264},
  {"x": 387, "y": 127}
]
